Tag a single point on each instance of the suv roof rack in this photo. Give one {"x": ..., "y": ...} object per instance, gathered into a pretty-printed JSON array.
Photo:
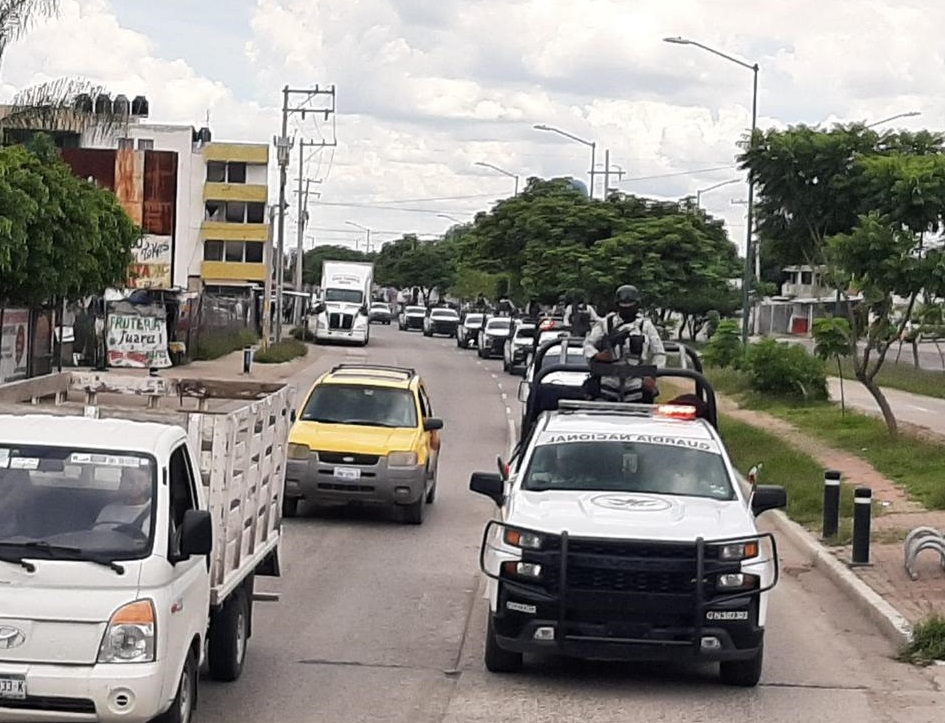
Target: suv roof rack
[{"x": 405, "y": 371}]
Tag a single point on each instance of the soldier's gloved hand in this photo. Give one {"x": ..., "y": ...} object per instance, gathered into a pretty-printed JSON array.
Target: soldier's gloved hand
[
  {"x": 618, "y": 338},
  {"x": 604, "y": 356},
  {"x": 649, "y": 383}
]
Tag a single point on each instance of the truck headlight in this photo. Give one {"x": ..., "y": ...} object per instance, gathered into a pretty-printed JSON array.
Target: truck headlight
[
  {"x": 522, "y": 569},
  {"x": 402, "y": 459},
  {"x": 736, "y": 581},
  {"x": 299, "y": 451},
  {"x": 523, "y": 540},
  {"x": 739, "y": 550},
  {"x": 129, "y": 637}
]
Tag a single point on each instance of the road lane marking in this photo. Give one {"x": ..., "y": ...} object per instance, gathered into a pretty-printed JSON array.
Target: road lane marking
[
  {"x": 921, "y": 409},
  {"x": 508, "y": 411},
  {"x": 504, "y": 396}
]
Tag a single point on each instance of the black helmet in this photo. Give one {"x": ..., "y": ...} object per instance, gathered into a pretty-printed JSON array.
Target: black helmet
[
  {"x": 627, "y": 294},
  {"x": 628, "y": 302}
]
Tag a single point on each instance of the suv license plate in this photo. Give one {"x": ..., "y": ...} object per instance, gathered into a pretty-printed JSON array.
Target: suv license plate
[
  {"x": 348, "y": 473},
  {"x": 13, "y": 687}
]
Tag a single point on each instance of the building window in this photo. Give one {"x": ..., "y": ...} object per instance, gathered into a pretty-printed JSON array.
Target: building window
[
  {"x": 216, "y": 172},
  {"x": 126, "y": 144},
  {"x": 234, "y": 252},
  {"x": 236, "y": 172},
  {"x": 213, "y": 251},
  {"x": 255, "y": 213},
  {"x": 145, "y": 144},
  {"x": 215, "y": 211},
  {"x": 235, "y": 212},
  {"x": 254, "y": 252},
  {"x": 806, "y": 278}
]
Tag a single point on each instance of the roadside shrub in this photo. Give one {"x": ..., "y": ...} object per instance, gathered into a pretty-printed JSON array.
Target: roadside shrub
[
  {"x": 928, "y": 642},
  {"x": 213, "y": 345},
  {"x": 282, "y": 351},
  {"x": 725, "y": 347},
  {"x": 303, "y": 333},
  {"x": 785, "y": 369}
]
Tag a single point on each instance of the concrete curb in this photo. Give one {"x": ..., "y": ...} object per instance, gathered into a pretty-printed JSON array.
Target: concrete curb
[{"x": 890, "y": 621}]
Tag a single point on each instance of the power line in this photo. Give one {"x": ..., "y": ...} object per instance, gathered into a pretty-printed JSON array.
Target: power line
[
  {"x": 378, "y": 207},
  {"x": 681, "y": 173}
]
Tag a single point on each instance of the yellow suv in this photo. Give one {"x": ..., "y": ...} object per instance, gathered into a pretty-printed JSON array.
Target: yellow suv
[{"x": 365, "y": 433}]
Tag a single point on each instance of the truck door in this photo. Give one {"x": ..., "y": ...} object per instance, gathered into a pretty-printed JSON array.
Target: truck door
[{"x": 190, "y": 596}]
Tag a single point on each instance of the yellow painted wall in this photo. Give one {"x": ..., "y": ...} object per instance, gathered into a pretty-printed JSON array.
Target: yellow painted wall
[
  {"x": 245, "y": 152},
  {"x": 217, "y": 231},
  {"x": 230, "y": 271},
  {"x": 249, "y": 192}
]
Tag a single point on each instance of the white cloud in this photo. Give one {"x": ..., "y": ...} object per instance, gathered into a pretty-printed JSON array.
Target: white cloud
[{"x": 427, "y": 89}]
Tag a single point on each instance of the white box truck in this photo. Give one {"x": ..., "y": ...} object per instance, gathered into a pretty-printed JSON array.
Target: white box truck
[
  {"x": 136, "y": 513},
  {"x": 342, "y": 314}
]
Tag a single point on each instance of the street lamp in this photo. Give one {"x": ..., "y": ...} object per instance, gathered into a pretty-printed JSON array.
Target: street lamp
[
  {"x": 910, "y": 114},
  {"x": 365, "y": 229},
  {"x": 449, "y": 218},
  {"x": 751, "y": 257},
  {"x": 591, "y": 144},
  {"x": 500, "y": 170},
  {"x": 700, "y": 191}
]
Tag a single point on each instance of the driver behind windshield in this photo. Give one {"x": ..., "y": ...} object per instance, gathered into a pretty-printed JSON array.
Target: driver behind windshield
[{"x": 131, "y": 503}]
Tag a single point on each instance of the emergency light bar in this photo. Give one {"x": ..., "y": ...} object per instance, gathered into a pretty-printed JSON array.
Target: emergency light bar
[{"x": 663, "y": 411}]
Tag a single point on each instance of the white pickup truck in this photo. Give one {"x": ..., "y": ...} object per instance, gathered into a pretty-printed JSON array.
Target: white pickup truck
[{"x": 135, "y": 513}]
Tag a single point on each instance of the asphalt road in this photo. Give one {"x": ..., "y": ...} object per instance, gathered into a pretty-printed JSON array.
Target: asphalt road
[
  {"x": 915, "y": 409},
  {"x": 383, "y": 622},
  {"x": 929, "y": 356}
]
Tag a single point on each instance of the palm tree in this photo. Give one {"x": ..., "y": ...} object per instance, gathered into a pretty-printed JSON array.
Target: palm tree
[{"x": 18, "y": 16}]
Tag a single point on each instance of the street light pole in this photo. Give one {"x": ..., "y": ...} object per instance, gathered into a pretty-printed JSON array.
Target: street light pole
[
  {"x": 366, "y": 230},
  {"x": 592, "y": 144},
  {"x": 700, "y": 191},
  {"x": 500, "y": 170},
  {"x": 910, "y": 114},
  {"x": 752, "y": 258}
]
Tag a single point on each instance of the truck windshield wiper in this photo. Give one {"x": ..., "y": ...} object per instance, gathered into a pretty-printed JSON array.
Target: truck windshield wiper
[
  {"x": 73, "y": 553},
  {"x": 16, "y": 560}
]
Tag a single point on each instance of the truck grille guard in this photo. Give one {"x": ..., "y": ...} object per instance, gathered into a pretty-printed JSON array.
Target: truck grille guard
[{"x": 701, "y": 600}]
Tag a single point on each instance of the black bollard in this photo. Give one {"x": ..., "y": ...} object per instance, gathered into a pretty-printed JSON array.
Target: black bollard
[
  {"x": 831, "y": 503},
  {"x": 247, "y": 359},
  {"x": 862, "y": 512}
]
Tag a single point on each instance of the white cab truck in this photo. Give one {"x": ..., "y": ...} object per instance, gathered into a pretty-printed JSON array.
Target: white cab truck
[
  {"x": 342, "y": 314},
  {"x": 136, "y": 513},
  {"x": 623, "y": 534}
]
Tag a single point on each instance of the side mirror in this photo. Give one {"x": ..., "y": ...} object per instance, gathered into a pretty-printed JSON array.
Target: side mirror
[
  {"x": 320, "y": 308},
  {"x": 523, "y": 391},
  {"x": 196, "y": 535},
  {"x": 768, "y": 497},
  {"x": 293, "y": 415},
  {"x": 432, "y": 424},
  {"x": 489, "y": 484}
]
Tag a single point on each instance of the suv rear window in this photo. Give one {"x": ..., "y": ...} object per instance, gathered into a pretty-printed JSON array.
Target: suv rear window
[
  {"x": 666, "y": 469},
  {"x": 361, "y": 405}
]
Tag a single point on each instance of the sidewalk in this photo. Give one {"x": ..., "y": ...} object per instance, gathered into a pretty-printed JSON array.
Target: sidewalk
[{"x": 897, "y": 516}]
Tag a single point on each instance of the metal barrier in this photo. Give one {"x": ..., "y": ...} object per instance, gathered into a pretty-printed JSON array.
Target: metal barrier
[{"x": 923, "y": 538}]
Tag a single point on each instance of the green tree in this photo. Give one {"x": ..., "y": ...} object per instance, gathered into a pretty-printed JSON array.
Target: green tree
[
  {"x": 832, "y": 341},
  {"x": 60, "y": 237},
  {"x": 881, "y": 261}
]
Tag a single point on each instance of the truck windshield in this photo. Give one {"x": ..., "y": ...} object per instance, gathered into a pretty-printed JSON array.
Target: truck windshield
[
  {"x": 361, "y": 405},
  {"x": 344, "y": 296},
  {"x": 666, "y": 469},
  {"x": 73, "y": 503}
]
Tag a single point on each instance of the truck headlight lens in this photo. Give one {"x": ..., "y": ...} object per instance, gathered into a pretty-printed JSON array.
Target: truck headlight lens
[
  {"x": 299, "y": 451},
  {"x": 524, "y": 540},
  {"x": 402, "y": 459},
  {"x": 522, "y": 569},
  {"x": 129, "y": 637},
  {"x": 737, "y": 581},
  {"x": 739, "y": 550}
]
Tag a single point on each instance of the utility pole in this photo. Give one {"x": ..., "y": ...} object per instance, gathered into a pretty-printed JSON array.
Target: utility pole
[
  {"x": 267, "y": 287},
  {"x": 302, "y": 223},
  {"x": 284, "y": 144}
]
